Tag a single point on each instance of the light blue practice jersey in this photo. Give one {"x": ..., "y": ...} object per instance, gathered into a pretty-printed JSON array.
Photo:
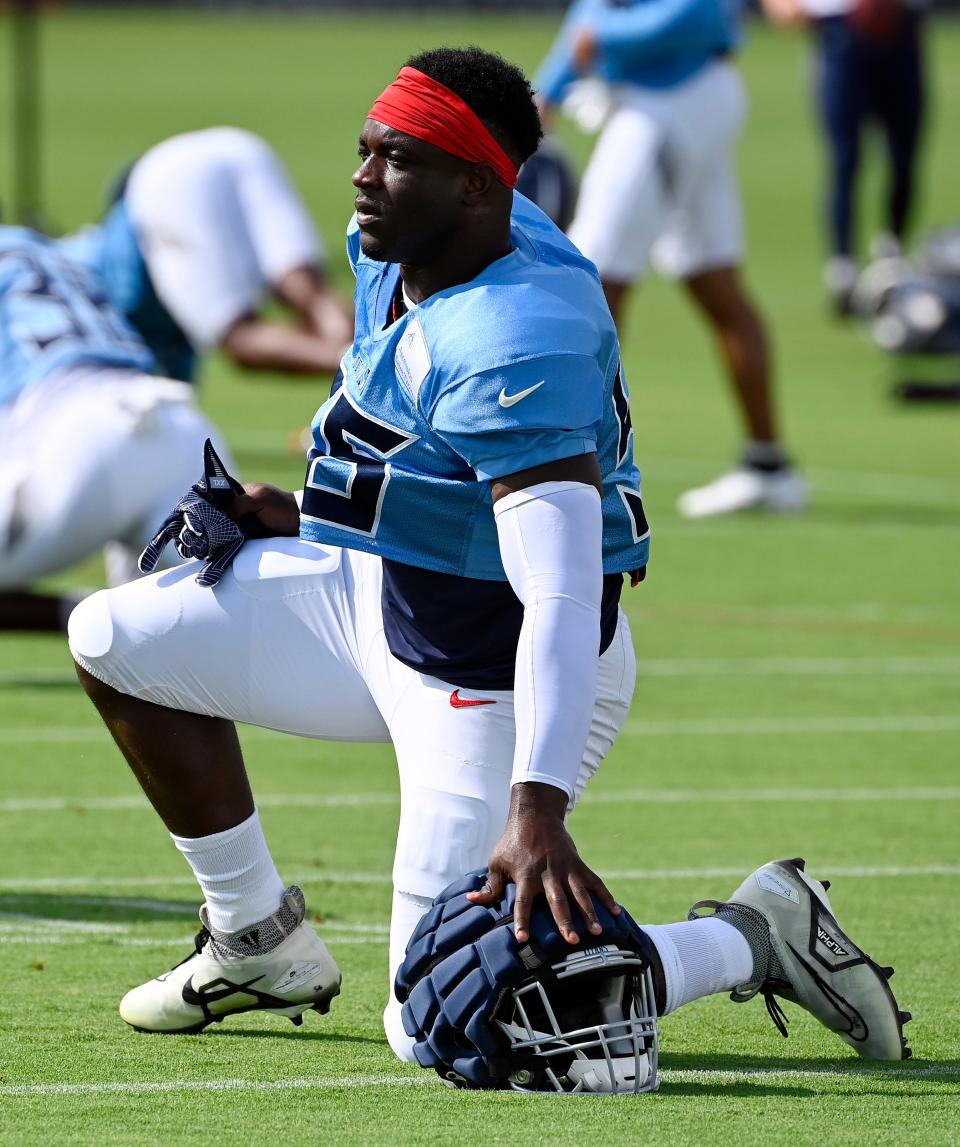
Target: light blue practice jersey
[
  {"x": 54, "y": 314},
  {"x": 112, "y": 250},
  {"x": 651, "y": 43},
  {"x": 518, "y": 367}
]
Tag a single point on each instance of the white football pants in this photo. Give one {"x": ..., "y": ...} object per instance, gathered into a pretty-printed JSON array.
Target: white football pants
[
  {"x": 219, "y": 222},
  {"x": 92, "y": 460},
  {"x": 292, "y": 639},
  {"x": 660, "y": 184}
]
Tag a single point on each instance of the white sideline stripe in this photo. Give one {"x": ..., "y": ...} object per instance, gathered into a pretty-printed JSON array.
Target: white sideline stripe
[
  {"x": 36, "y": 883},
  {"x": 42, "y": 939},
  {"x": 782, "y": 726},
  {"x": 685, "y": 667},
  {"x": 798, "y": 666},
  {"x": 348, "y": 1081},
  {"x": 21, "y": 922},
  {"x": 871, "y": 485},
  {"x": 24, "y": 922},
  {"x": 668, "y": 1075},
  {"x": 711, "y": 727},
  {"x": 639, "y": 796},
  {"x": 137, "y": 801},
  {"x": 160, "y": 906}
]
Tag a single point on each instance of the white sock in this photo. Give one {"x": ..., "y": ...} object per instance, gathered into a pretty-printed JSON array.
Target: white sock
[
  {"x": 236, "y": 872},
  {"x": 700, "y": 957}
]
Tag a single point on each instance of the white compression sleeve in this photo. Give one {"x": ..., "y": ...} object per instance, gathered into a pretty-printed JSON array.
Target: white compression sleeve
[{"x": 551, "y": 538}]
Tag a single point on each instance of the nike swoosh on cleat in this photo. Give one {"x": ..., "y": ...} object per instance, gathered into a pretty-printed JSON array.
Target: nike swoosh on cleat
[
  {"x": 210, "y": 993},
  {"x": 512, "y": 399},
  {"x": 458, "y": 702}
]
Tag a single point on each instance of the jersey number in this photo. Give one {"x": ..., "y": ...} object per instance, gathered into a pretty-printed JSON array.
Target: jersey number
[
  {"x": 340, "y": 490},
  {"x": 80, "y": 313},
  {"x": 621, "y": 408}
]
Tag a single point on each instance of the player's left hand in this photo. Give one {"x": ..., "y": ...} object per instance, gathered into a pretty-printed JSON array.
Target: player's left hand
[
  {"x": 203, "y": 523},
  {"x": 537, "y": 854}
]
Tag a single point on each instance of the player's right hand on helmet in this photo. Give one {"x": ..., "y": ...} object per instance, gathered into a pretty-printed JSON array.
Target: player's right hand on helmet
[{"x": 537, "y": 854}]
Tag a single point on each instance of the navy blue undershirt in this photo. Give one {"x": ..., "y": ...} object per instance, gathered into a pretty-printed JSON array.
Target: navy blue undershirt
[{"x": 464, "y": 630}]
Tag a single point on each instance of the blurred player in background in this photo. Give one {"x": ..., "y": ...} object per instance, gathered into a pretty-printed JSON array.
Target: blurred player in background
[
  {"x": 205, "y": 227},
  {"x": 869, "y": 70},
  {"x": 660, "y": 188},
  {"x": 92, "y": 447}
]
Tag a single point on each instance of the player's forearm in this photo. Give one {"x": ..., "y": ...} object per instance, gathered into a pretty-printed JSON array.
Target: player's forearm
[
  {"x": 557, "y": 72},
  {"x": 550, "y": 540},
  {"x": 262, "y": 345}
]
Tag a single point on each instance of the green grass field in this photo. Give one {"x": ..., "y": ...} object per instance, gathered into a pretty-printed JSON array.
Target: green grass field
[{"x": 798, "y": 678}]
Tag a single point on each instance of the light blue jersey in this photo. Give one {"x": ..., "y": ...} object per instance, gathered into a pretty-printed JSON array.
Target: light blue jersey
[
  {"x": 518, "y": 367},
  {"x": 112, "y": 250},
  {"x": 54, "y": 315},
  {"x": 651, "y": 43}
]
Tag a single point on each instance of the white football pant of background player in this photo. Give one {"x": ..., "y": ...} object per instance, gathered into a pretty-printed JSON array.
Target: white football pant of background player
[{"x": 93, "y": 460}]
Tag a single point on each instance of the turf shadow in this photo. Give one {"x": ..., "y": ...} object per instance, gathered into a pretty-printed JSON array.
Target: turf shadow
[
  {"x": 98, "y": 909},
  {"x": 293, "y": 1033}
]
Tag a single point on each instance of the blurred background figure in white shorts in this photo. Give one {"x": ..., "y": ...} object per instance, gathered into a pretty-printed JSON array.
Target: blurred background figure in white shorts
[
  {"x": 205, "y": 227},
  {"x": 93, "y": 446},
  {"x": 655, "y": 76}
]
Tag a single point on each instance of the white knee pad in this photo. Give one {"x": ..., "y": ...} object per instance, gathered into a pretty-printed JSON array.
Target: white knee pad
[
  {"x": 442, "y": 835},
  {"x": 108, "y": 626},
  {"x": 90, "y": 629}
]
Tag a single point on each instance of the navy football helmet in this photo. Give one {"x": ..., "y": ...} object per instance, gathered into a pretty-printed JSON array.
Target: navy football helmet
[
  {"x": 549, "y": 180},
  {"x": 488, "y": 1012}
]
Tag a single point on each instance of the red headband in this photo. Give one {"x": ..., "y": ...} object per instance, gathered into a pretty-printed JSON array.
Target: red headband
[{"x": 419, "y": 106}]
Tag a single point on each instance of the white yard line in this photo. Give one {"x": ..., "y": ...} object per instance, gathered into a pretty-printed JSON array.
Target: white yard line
[
  {"x": 621, "y": 796},
  {"x": 874, "y": 486},
  {"x": 348, "y": 1082},
  {"x": 799, "y": 667},
  {"x": 16, "y": 922},
  {"x": 791, "y": 726},
  {"x": 333, "y": 876},
  {"x": 136, "y": 801},
  {"x": 686, "y": 667},
  {"x": 710, "y": 727},
  {"x": 40, "y": 940}
]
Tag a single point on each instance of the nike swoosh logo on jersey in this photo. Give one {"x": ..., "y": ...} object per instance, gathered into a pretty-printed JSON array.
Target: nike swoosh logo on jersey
[
  {"x": 512, "y": 399},
  {"x": 459, "y": 702}
]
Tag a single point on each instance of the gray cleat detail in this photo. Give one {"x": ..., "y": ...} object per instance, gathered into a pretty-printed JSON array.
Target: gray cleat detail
[{"x": 804, "y": 956}]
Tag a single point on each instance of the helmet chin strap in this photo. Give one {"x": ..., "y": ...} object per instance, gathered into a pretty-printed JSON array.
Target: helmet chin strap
[{"x": 595, "y": 1075}]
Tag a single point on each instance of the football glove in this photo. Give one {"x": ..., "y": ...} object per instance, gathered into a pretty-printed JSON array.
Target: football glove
[
  {"x": 199, "y": 527},
  {"x": 461, "y": 960}
]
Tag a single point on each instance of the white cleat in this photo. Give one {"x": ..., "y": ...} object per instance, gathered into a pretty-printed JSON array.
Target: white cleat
[
  {"x": 746, "y": 488},
  {"x": 286, "y": 971},
  {"x": 804, "y": 956}
]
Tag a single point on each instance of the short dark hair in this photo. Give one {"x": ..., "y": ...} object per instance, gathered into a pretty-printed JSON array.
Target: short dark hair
[{"x": 496, "y": 91}]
